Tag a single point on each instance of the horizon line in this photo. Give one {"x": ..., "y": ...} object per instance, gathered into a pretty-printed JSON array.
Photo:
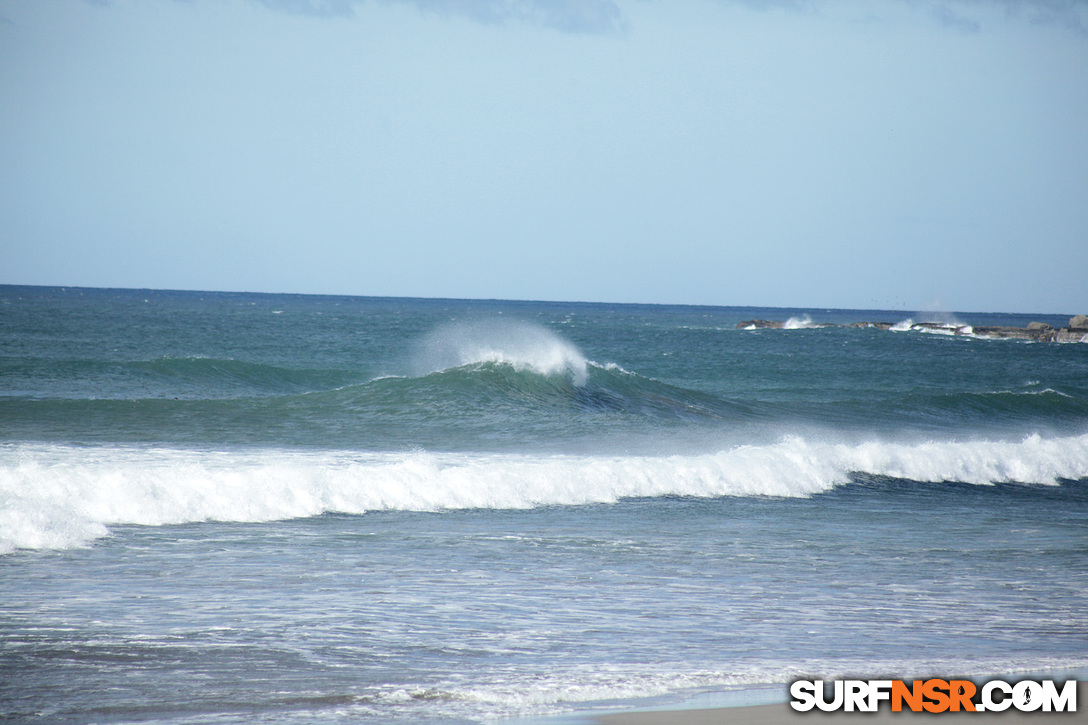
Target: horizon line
[{"x": 524, "y": 300}]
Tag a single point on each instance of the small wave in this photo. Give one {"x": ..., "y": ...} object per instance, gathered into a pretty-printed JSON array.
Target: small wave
[
  {"x": 980, "y": 410},
  {"x": 485, "y": 402},
  {"x": 521, "y": 345},
  {"x": 603, "y": 388},
  {"x": 507, "y": 695},
  {"x": 1011, "y": 398},
  {"x": 57, "y": 497},
  {"x": 1044, "y": 391}
]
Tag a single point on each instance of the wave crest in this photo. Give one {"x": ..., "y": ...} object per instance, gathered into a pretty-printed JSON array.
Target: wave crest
[{"x": 521, "y": 345}]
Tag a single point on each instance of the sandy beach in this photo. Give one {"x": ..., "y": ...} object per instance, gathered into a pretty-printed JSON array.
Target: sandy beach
[{"x": 783, "y": 713}]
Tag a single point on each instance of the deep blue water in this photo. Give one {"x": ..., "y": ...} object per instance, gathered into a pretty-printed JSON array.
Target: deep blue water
[{"x": 279, "y": 508}]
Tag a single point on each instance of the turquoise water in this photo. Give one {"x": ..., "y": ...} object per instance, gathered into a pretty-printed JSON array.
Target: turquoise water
[{"x": 278, "y": 508}]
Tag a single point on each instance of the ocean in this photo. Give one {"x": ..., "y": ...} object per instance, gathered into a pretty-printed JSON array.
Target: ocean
[{"x": 240, "y": 508}]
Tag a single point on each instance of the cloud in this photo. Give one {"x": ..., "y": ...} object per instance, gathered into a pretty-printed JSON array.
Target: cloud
[
  {"x": 773, "y": 4},
  {"x": 950, "y": 17},
  {"x": 319, "y": 8},
  {"x": 571, "y": 16},
  {"x": 1069, "y": 14},
  {"x": 962, "y": 15},
  {"x": 605, "y": 17},
  {"x": 568, "y": 16},
  {"x": 1072, "y": 14},
  {"x": 968, "y": 15}
]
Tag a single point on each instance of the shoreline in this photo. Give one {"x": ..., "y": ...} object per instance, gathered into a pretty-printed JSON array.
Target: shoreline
[{"x": 781, "y": 712}]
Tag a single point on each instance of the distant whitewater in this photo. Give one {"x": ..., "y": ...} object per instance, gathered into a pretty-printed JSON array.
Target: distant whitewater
[{"x": 239, "y": 507}]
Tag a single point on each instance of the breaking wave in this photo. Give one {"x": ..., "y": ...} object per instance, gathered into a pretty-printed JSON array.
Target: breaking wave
[
  {"x": 522, "y": 346},
  {"x": 57, "y": 497}
]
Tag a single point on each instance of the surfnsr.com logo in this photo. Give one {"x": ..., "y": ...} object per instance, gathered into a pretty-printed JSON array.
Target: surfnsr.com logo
[{"x": 934, "y": 695}]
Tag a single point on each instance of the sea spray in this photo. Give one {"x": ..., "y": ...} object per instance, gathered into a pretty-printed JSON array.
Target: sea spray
[
  {"x": 521, "y": 345},
  {"x": 803, "y": 322}
]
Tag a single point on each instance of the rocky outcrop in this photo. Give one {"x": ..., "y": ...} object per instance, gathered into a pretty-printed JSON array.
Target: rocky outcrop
[
  {"x": 760, "y": 324},
  {"x": 1012, "y": 333},
  {"x": 1035, "y": 331},
  {"x": 1065, "y": 335},
  {"x": 878, "y": 325}
]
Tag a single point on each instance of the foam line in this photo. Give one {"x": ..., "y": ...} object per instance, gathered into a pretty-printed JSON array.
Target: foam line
[{"x": 58, "y": 497}]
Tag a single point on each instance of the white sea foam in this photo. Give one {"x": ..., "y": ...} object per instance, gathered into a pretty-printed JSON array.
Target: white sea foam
[
  {"x": 55, "y": 497},
  {"x": 934, "y": 328},
  {"x": 748, "y": 684},
  {"x": 593, "y": 689},
  {"x": 944, "y": 329},
  {"x": 522, "y": 345}
]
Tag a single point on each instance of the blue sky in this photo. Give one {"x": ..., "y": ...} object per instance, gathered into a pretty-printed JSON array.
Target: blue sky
[{"x": 902, "y": 154}]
